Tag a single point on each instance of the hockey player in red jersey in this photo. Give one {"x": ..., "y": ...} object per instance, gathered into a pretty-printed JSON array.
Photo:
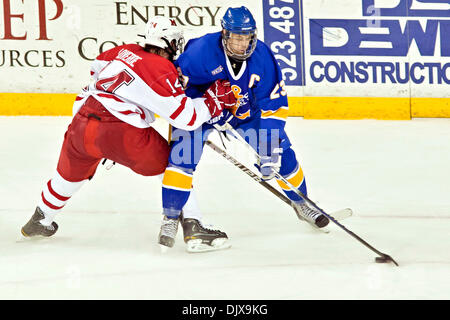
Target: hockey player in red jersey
[{"x": 113, "y": 117}]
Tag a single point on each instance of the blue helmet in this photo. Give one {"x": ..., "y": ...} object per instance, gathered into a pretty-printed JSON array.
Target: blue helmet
[{"x": 239, "y": 21}]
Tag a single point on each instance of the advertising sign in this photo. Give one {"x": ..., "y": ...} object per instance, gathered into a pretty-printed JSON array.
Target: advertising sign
[{"x": 365, "y": 49}]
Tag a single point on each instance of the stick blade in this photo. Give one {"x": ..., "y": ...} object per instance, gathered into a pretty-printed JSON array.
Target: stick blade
[{"x": 385, "y": 259}]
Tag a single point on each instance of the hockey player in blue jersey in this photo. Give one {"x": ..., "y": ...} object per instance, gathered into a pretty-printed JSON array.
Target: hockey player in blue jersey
[{"x": 260, "y": 114}]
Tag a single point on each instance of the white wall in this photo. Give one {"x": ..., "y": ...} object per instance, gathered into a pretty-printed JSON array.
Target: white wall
[{"x": 45, "y": 55}]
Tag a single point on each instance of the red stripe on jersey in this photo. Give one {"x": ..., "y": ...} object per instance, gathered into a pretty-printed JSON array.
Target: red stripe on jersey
[
  {"x": 55, "y": 194},
  {"x": 110, "y": 97},
  {"x": 142, "y": 113},
  {"x": 48, "y": 204},
  {"x": 127, "y": 112},
  {"x": 194, "y": 116},
  {"x": 78, "y": 98},
  {"x": 179, "y": 110}
]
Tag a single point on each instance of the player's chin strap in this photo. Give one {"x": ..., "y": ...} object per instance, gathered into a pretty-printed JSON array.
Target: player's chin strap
[{"x": 382, "y": 255}]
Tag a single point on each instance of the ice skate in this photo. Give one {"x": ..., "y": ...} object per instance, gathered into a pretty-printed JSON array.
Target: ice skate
[
  {"x": 201, "y": 239},
  {"x": 169, "y": 228},
  {"x": 311, "y": 215},
  {"x": 34, "y": 228}
]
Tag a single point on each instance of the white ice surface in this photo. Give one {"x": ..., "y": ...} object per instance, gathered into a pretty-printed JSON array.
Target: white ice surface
[{"x": 394, "y": 174}]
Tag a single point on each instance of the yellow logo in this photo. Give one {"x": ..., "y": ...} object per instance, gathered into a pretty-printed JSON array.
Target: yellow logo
[{"x": 239, "y": 97}]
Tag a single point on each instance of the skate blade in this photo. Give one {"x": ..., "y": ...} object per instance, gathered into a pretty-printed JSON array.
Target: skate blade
[
  {"x": 323, "y": 229},
  {"x": 25, "y": 237},
  {"x": 197, "y": 246},
  {"x": 163, "y": 248},
  {"x": 338, "y": 216},
  {"x": 314, "y": 227},
  {"x": 37, "y": 238}
]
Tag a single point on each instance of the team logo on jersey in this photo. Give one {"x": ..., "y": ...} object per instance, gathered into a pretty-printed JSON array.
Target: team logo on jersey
[{"x": 242, "y": 100}]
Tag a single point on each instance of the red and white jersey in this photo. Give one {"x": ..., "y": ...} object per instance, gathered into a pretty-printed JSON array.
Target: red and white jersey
[{"x": 134, "y": 84}]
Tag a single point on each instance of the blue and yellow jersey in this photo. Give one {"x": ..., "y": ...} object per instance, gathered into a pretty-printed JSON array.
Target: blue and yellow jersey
[{"x": 259, "y": 87}]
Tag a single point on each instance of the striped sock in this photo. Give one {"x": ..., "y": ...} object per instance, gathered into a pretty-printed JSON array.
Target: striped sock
[
  {"x": 297, "y": 179},
  {"x": 176, "y": 188},
  {"x": 55, "y": 195}
]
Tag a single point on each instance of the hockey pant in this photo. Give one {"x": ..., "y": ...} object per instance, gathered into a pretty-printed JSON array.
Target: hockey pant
[
  {"x": 95, "y": 134},
  {"x": 186, "y": 150}
]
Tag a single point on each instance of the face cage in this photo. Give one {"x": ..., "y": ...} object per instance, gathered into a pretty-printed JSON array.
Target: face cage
[
  {"x": 179, "y": 47},
  {"x": 226, "y": 34},
  {"x": 174, "y": 48}
]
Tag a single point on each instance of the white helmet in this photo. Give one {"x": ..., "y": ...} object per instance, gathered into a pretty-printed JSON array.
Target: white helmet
[{"x": 164, "y": 33}]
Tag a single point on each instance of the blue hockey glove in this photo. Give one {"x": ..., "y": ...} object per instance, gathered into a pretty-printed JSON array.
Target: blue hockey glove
[
  {"x": 221, "y": 120},
  {"x": 270, "y": 165}
]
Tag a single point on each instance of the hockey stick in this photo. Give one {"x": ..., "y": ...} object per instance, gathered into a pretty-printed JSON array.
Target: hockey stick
[{"x": 382, "y": 258}]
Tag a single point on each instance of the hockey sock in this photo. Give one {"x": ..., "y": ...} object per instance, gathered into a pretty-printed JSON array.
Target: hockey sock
[
  {"x": 297, "y": 179},
  {"x": 176, "y": 188},
  {"x": 55, "y": 195}
]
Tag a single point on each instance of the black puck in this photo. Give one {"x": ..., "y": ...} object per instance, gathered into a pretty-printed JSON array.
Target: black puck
[{"x": 381, "y": 260}]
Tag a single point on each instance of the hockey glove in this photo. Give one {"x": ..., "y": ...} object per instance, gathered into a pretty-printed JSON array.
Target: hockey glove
[
  {"x": 270, "y": 165},
  {"x": 219, "y": 96},
  {"x": 221, "y": 120}
]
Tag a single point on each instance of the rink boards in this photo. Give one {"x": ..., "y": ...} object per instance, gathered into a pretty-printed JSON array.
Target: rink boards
[{"x": 381, "y": 59}]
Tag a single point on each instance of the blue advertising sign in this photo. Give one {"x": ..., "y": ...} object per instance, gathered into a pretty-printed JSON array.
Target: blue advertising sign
[
  {"x": 389, "y": 32},
  {"x": 283, "y": 33},
  {"x": 409, "y": 8}
]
